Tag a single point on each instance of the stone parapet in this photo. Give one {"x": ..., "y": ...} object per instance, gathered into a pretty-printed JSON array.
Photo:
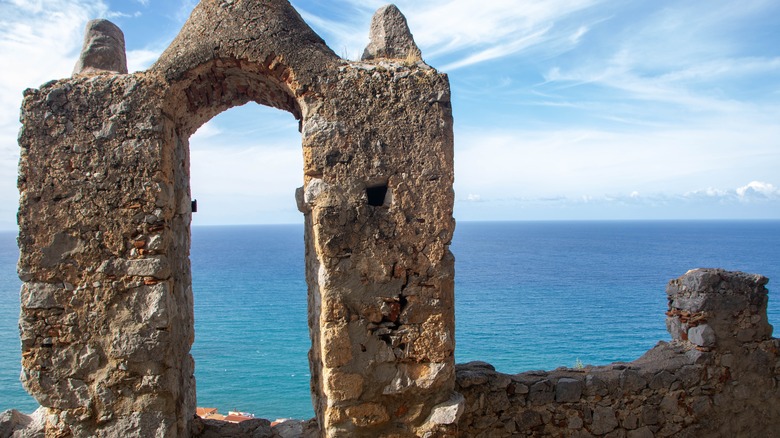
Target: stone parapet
[{"x": 718, "y": 382}]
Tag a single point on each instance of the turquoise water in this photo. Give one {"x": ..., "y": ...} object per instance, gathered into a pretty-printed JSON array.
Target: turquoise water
[{"x": 529, "y": 295}]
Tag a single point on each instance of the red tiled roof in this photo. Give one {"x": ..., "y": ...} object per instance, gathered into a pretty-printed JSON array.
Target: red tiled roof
[
  {"x": 236, "y": 418},
  {"x": 205, "y": 411}
]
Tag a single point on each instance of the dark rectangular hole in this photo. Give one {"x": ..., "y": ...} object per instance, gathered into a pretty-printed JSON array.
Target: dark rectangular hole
[{"x": 376, "y": 195}]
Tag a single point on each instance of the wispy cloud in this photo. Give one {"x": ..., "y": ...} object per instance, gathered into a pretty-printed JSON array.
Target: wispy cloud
[
  {"x": 754, "y": 200},
  {"x": 115, "y": 14},
  {"x": 678, "y": 55},
  {"x": 459, "y": 33},
  {"x": 341, "y": 35},
  {"x": 498, "y": 51},
  {"x": 141, "y": 59},
  {"x": 581, "y": 31},
  {"x": 184, "y": 10}
]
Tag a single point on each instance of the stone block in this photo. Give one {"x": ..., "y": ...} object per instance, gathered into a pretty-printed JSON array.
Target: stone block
[
  {"x": 448, "y": 412},
  {"x": 344, "y": 386},
  {"x": 604, "y": 420},
  {"x": 39, "y": 296},
  {"x": 541, "y": 392},
  {"x": 702, "y": 335},
  {"x": 568, "y": 390},
  {"x": 662, "y": 380},
  {"x": 642, "y": 432},
  {"x": 12, "y": 420},
  {"x": 367, "y": 414},
  {"x": 631, "y": 381},
  {"x": 155, "y": 266}
]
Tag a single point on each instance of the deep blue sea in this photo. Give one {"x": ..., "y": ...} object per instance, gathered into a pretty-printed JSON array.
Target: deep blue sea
[{"x": 529, "y": 295}]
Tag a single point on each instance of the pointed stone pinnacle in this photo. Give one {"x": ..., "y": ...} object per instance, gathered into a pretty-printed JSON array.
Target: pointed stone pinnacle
[
  {"x": 103, "y": 50},
  {"x": 390, "y": 37}
]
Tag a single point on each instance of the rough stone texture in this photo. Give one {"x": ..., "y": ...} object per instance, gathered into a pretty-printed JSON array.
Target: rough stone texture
[
  {"x": 103, "y": 50},
  {"x": 107, "y": 319},
  {"x": 724, "y": 388},
  {"x": 390, "y": 37},
  {"x": 257, "y": 428},
  {"x": 18, "y": 425},
  {"x": 12, "y": 420}
]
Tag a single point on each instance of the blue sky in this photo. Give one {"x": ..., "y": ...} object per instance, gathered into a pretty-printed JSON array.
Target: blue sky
[{"x": 564, "y": 109}]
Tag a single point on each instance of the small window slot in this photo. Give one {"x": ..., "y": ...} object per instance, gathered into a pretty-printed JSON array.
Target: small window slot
[{"x": 376, "y": 195}]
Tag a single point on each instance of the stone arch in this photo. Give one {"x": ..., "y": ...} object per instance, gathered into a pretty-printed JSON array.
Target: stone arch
[
  {"x": 105, "y": 211},
  {"x": 223, "y": 83}
]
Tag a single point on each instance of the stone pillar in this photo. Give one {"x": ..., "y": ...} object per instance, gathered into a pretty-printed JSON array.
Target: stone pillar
[
  {"x": 713, "y": 308},
  {"x": 378, "y": 205},
  {"x": 105, "y": 327}
]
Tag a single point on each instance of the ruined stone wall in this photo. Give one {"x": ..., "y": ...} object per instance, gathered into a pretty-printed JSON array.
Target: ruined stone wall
[
  {"x": 105, "y": 328},
  {"x": 105, "y": 210},
  {"x": 106, "y": 304},
  {"x": 719, "y": 377}
]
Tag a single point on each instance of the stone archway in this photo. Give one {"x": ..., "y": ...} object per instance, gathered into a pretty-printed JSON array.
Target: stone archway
[{"x": 105, "y": 210}]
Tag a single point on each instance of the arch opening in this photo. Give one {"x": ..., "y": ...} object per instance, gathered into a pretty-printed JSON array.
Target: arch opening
[
  {"x": 250, "y": 301},
  {"x": 194, "y": 105}
]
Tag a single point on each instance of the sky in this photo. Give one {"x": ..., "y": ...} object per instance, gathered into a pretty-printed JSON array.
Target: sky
[{"x": 564, "y": 109}]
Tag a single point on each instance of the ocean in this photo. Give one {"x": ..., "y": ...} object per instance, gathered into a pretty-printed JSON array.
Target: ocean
[{"x": 529, "y": 295}]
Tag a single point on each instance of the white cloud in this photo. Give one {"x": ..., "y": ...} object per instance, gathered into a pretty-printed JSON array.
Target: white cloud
[
  {"x": 758, "y": 189},
  {"x": 581, "y": 31},
  {"x": 41, "y": 40},
  {"x": 451, "y": 26},
  {"x": 707, "y": 203},
  {"x": 141, "y": 59},
  {"x": 588, "y": 162},
  {"x": 206, "y": 131},
  {"x": 245, "y": 185},
  {"x": 709, "y": 192},
  {"x": 185, "y": 9},
  {"x": 341, "y": 36},
  {"x": 499, "y": 50},
  {"x": 115, "y": 14}
]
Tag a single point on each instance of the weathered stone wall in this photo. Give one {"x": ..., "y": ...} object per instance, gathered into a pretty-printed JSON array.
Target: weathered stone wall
[
  {"x": 106, "y": 305},
  {"x": 105, "y": 329},
  {"x": 719, "y": 377},
  {"x": 105, "y": 210}
]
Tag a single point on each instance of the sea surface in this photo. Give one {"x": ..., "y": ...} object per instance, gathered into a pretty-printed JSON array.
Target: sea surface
[{"x": 529, "y": 295}]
